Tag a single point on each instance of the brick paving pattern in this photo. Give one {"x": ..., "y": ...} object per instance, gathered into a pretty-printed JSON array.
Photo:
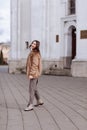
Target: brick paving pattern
[{"x": 65, "y": 103}]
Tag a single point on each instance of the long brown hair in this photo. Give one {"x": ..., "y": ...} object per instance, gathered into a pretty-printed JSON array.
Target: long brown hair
[{"x": 37, "y": 46}]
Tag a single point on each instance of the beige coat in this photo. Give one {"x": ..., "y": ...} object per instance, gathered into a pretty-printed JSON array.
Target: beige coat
[{"x": 33, "y": 65}]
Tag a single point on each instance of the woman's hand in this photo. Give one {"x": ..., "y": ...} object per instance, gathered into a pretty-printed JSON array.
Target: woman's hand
[{"x": 30, "y": 77}]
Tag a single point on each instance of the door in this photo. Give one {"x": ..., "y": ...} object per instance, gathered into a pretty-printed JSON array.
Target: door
[{"x": 73, "y": 43}]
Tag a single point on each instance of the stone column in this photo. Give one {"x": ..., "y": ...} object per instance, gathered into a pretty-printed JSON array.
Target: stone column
[
  {"x": 44, "y": 29},
  {"x": 14, "y": 29},
  {"x": 14, "y": 60}
]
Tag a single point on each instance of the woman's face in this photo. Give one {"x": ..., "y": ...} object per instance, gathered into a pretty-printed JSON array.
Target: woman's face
[{"x": 33, "y": 45}]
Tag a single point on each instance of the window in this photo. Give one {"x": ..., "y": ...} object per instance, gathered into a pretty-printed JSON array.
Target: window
[{"x": 72, "y": 7}]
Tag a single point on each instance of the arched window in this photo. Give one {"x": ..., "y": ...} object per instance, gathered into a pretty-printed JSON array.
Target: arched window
[{"x": 72, "y": 7}]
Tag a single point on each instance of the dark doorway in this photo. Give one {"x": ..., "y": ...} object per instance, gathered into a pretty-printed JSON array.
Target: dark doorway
[{"x": 73, "y": 43}]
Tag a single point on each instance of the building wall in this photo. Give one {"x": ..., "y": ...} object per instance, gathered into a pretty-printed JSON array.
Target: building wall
[
  {"x": 81, "y": 25},
  {"x": 44, "y": 20},
  {"x": 79, "y": 65},
  {"x": 35, "y": 20}
]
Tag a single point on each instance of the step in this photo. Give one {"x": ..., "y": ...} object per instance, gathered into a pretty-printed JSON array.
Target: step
[{"x": 59, "y": 72}]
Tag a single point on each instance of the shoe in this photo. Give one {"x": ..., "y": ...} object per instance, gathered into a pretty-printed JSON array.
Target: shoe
[
  {"x": 39, "y": 102},
  {"x": 29, "y": 108}
]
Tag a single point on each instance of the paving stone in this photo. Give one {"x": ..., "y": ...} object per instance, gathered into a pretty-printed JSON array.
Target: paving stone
[{"x": 65, "y": 103}]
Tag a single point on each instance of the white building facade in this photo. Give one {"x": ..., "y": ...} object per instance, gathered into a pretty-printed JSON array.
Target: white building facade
[{"x": 60, "y": 26}]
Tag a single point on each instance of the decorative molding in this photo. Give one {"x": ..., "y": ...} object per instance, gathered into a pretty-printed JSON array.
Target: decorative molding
[
  {"x": 63, "y": 1},
  {"x": 69, "y": 18}
]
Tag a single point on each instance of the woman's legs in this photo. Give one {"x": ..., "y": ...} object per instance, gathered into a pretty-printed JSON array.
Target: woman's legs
[
  {"x": 37, "y": 96},
  {"x": 33, "y": 92},
  {"x": 32, "y": 88}
]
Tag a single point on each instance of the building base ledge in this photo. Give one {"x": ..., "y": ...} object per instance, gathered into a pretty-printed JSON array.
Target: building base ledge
[{"x": 79, "y": 68}]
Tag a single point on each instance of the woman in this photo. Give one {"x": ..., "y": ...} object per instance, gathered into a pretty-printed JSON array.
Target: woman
[{"x": 33, "y": 69}]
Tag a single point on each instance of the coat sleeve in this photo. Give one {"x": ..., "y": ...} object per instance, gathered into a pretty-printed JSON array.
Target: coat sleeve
[
  {"x": 40, "y": 65},
  {"x": 28, "y": 65},
  {"x": 36, "y": 66}
]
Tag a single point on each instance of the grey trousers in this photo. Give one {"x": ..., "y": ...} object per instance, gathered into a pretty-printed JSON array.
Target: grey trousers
[{"x": 33, "y": 92}]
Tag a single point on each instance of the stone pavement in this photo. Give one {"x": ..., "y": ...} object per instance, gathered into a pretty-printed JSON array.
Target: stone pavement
[{"x": 65, "y": 103}]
